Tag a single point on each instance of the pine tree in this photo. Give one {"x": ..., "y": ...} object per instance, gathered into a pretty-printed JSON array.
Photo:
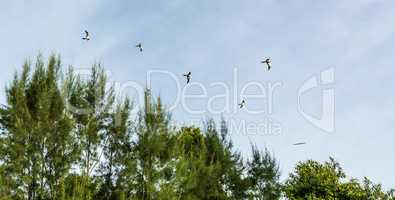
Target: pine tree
[
  {"x": 116, "y": 148},
  {"x": 152, "y": 149},
  {"x": 263, "y": 176},
  {"x": 65, "y": 138},
  {"x": 38, "y": 144},
  {"x": 225, "y": 164},
  {"x": 236, "y": 184},
  {"x": 90, "y": 102}
]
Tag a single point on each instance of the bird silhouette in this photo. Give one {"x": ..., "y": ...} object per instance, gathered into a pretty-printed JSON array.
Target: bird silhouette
[
  {"x": 299, "y": 143},
  {"x": 188, "y": 75},
  {"x": 140, "y": 46},
  {"x": 86, "y": 37},
  {"x": 242, "y": 104},
  {"x": 268, "y": 62}
]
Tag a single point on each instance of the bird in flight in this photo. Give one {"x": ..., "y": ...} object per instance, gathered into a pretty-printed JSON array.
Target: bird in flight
[
  {"x": 188, "y": 75},
  {"x": 140, "y": 46},
  {"x": 242, "y": 104},
  {"x": 299, "y": 143},
  {"x": 86, "y": 37},
  {"x": 268, "y": 62}
]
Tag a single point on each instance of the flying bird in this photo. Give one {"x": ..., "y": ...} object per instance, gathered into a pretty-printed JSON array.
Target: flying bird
[
  {"x": 242, "y": 104},
  {"x": 140, "y": 46},
  {"x": 299, "y": 143},
  {"x": 86, "y": 37},
  {"x": 188, "y": 75},
  {"x": 268, "y": 62}
]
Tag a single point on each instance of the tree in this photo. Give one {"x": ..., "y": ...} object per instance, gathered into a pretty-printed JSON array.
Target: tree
[
  {"x": 192, "y": 173},
  {"x": 37, "y": 144},
  {"x": 263, "y": 176},
  {"x": 313, "y": 180},
  {"x": 151, "y": 151},
  {"x": 65, "y": 138},
  {"x": 235, "y": 180},
  {"x": 116, "y": 147},
  {"x": 220, "y": 160},
  {"x": 90, "y": 103},
  {"x": 206, "y": 166}
]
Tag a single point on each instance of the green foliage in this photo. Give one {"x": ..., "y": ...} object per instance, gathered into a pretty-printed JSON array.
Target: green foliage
[
  {"x": 313, "y": 180},
  {"x": 116, "y": 148},
  {"x": 63, "y": 137},
  {"x": 263, "y": 176},
  {"x": 90, "y": 104},
  {"x": 37, "y": 144},
  {"x": 151, "y": 151}
]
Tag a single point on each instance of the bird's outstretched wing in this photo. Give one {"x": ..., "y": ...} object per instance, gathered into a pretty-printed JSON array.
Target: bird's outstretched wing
[{"x": 299, "y": 143}]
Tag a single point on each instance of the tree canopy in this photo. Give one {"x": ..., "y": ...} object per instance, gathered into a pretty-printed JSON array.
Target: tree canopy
[{"x": 63, "y": 137}]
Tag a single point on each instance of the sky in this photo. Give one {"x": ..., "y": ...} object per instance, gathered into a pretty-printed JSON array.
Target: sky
[{"x": 222, "y": 43}]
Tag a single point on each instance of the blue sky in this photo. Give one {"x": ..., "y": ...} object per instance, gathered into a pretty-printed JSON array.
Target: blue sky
[{"x": 212, "y": 38}]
